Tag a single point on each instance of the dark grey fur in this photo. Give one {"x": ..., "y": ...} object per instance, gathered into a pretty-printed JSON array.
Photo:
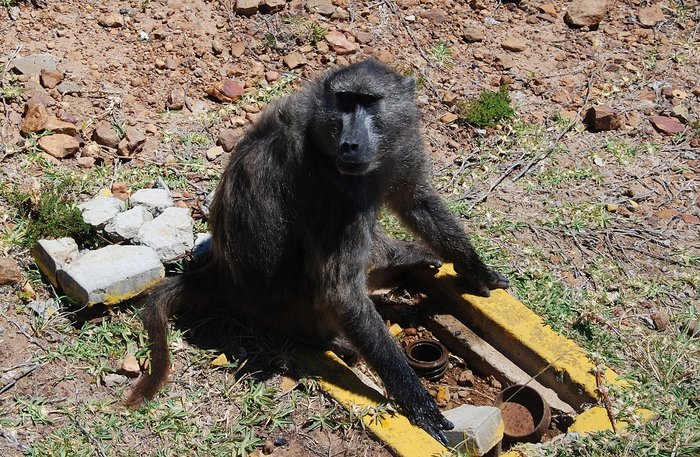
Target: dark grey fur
[{"x": 295, "y": 233}]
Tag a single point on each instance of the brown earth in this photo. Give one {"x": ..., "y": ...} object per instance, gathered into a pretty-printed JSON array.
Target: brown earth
[{"x": 547, "y": 192}]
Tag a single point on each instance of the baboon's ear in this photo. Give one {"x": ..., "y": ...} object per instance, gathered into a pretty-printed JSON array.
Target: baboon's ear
[{"x": 409, "y": 82}]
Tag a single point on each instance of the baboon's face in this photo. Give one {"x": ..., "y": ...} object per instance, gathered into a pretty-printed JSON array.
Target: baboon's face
[{"x": 358, "y": 138}]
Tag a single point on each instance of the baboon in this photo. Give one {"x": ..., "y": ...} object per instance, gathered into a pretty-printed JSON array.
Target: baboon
[{"x": 294, "y": 228}]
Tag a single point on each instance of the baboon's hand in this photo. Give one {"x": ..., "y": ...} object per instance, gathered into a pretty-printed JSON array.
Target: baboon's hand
[
  {"x": 482, "y": 281},
  {"x": 427, "y": 416}
]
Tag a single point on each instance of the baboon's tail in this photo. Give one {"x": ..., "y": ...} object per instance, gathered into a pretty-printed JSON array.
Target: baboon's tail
[{"x": 188, "y": 289}]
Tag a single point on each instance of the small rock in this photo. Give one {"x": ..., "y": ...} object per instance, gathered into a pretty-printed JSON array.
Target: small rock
[
  {"x": 228, "y": 91},
  {"x": 612, "y": 207},
  {"x": 56, "y": 125},
  {"x": 602, "y": 117},
  {"x": 214, "y": 152},
  {"x": 280, "y": 441},
  {"x": 586, "y": 14},
  {"x": 155, "y": 200},
  {"x": 126, "y": 225},
  {"x": 132, "y": 143},
  {"x": 692, "y": 329},
  {"x": 247, "y": 7},
  {"x": 129, "y": 366},
  {"x": 237, "y": 49},
  {"x": 473, "y": 34},
  {"x": 98, "y": 211},
  {"x": 105, "y": 135},
  {"x": 271, "y": 76},
  {"x": 110, "y": 274},
  {"x": 85, "y": 162},
  {"x": 449, "y": 118},
  {"x": 660, "y": 320},
  {"x": 515, "y": 44},
  {"x": 121, "y": 191},
  {"x": 113, "y": 380},
  {"x": 9, "y": 271},
  {"x": 50, "y": 78},
  {"x": 272, "y": 6},
  {"x": 268, "y": 447},
  {"x": 59, "y": 145},
  {"x": 667, "y": 125},
  {"x": 690, "y": 219},
  {"x": 649, "y": 16},
  {"x": 33, "y": 64},
  {"x": 294, "y": 60},
  {"x": 466, "y": 379},
  {"x": 111, "y": 21},
  {"x": 169, "y": 234},
  {"x": 322, "y": 7},
  {"x": 450, "y": 98},
  {"x": 549, "y": 8},
  {"x": 504, "y": 62},
  {"x": 68, "y": 87},
  {"x": 363, "y": 37},
  {"x": 228, "y": 138},
  {"x": 339, "y": 43},
  {"x": 493, "y": 382},
  {"x": 52, "y": 255},
  {"x": 681, "y": 113},
  {"x": 410, "y": 331},
  {"x": 217, "y": 47},
  {"x": 34, "y": 119},
  {"x": 176, "y": 99},
  {"x": 91, "y": 150}
]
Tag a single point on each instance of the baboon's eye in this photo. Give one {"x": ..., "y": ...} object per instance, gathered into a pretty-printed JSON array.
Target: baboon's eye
[{"x": 348, "y": 101}]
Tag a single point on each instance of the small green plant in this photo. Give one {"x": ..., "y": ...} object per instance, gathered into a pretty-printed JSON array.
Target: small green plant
[
  {"x": 47, "y": 214},
  {"x": 488, "y": 109},
  {"x": 195, "y": 138},
  {"x": 623, "y": 152},
  {"x": 268, "y": 42},
  {"x": 316, "y": 32},
  {"x": 442, "y": 53}
]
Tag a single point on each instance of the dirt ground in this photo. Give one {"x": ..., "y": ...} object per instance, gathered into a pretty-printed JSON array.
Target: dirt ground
[{"x": 597, "y": 230}]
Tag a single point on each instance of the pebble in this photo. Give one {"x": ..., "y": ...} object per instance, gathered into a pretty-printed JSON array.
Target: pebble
[
  {"x": 660, "y": 319},
  {"x": 237, "y": 49},
  {"x": 112, "y": 380},
  {"x": 111, "y": 21},
  {"x": 68, "y": 87},
  {"x": 449, "y": 118},
  {"x": 132, "y": 143},
  {"x": 176, "y": 99},
  {"x": 214, "y": 152},
  {"x": 466, "y": 379},
  {"x": 272, "y": 6},
  {"x": 322, "y": 7},
  {"x": 56, "y": 125}
]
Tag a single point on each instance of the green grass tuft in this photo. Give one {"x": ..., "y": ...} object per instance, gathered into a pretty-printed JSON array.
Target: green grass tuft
[{"x": 489, "y": 109}]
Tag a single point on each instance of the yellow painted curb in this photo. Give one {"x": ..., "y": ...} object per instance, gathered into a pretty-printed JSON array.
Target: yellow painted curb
[
  {"x": 338, "y": 380},
  {"x": 522, "y": 336}
]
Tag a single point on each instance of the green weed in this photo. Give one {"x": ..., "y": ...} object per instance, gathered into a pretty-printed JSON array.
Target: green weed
[
  {"x": 442, "y": 53},
  {"x": 487, "y": 110}
]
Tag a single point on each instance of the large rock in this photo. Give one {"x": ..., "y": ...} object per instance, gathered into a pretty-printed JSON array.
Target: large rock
[
  {"x": 169, "y": 234},
  {"x": 98, "y": 211},
  {"x": 155, "y": 200},
  {"x": 586, "y": 13},
  {"x": 33, "y": 64},
  {"x": 59, "y": 145},
  {"x": 111, "y": 274},
  {"x": 52, "y": 255},
  {"x": 667, "y": 125},
  {"x": 126, "y": 225}
]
